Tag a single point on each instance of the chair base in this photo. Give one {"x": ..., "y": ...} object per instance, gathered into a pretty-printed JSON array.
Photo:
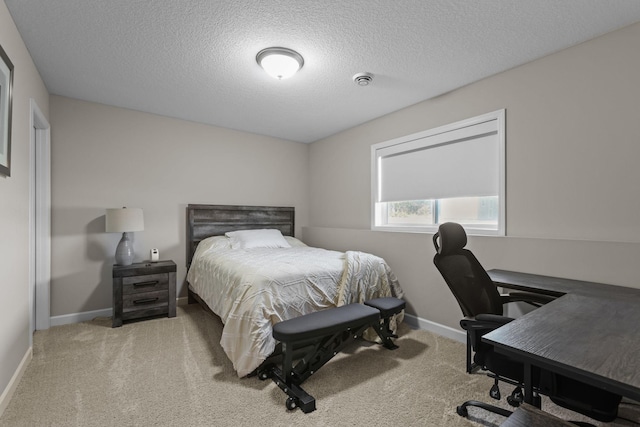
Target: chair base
[
  {"x": 530, "y": 416},
  {"x": 515, "y": 399},
  {"x": 463, "y": 412}
]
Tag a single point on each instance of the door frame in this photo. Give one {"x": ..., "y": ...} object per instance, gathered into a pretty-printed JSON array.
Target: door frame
[{"x": 39, "y": 219}]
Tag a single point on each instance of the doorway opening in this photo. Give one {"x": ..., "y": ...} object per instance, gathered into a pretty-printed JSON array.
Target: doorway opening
[{"x": 39, "y": 220}]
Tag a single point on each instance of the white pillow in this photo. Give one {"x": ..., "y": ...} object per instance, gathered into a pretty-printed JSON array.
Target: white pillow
[
  {"x": 295, "y": 243},
  {"x": 247, "y": 239}
]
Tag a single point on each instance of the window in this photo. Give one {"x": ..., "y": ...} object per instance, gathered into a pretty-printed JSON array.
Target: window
[{"x": 452, "y": 173}]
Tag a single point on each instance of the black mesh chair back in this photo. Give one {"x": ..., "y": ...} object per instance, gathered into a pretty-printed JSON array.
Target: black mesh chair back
[{"x": 465, "y": 276}]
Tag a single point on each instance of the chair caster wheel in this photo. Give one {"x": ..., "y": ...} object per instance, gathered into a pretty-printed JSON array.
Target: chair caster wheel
[
  {"x": 495, "y": 392},
  {"x": 462, "y": 411},
  {"x": 516, "y": 397},
  {"x": 291, "y": 404},
  {"x": 513, "y": 402},
  {"x": 263, "y": 376}
]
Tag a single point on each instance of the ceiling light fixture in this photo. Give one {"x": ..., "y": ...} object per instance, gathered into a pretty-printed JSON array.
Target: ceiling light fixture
[{"x": 280, "y": 62}]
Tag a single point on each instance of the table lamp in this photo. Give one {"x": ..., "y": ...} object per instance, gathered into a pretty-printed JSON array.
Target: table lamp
[{"x": 124, "y": 221}]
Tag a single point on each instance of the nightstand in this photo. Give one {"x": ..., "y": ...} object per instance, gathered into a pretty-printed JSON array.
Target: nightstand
[{"x": 142, "y": 290}]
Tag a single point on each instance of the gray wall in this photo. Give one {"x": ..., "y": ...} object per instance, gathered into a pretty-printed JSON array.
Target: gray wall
[
  {"x": 105, "y": 157},
  {"x": 573, "y": 144},
  {"x": 14, "y": 206}
]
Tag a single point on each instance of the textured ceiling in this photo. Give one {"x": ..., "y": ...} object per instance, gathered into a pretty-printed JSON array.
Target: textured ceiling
[{"x": 195, "y": 59}]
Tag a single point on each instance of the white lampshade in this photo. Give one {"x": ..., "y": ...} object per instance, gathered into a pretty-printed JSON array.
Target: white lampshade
[
  {"x": 280, "y": 62},
  {"x": 124, "y": 220}
]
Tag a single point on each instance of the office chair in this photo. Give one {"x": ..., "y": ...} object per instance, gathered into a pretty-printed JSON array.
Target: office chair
[
  {"x": 482, "y": 306},
  {"x": 471, "y": 285}
]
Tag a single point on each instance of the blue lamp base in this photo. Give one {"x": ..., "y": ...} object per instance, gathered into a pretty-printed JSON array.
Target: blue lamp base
[{"x": 124, "y": 251}]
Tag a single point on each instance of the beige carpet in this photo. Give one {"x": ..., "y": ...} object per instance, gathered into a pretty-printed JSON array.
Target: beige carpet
[{"x": 173, "y": 372}]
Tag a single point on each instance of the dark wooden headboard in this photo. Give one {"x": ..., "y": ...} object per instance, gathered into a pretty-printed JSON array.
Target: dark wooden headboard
[{"x": 214, "y": 220}]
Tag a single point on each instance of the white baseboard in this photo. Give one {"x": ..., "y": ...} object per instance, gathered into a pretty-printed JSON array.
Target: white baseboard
[
  {"x": 436, "y": 328},
  {"x": 411, "y": 320},
  {"x": 7, "y": 394},
  {"x": 66, "y": 319},
  {"x": 85, "y": 316}
]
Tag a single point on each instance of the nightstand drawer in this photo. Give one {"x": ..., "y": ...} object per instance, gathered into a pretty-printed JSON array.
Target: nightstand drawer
[
  {"x": 145, "y": 300},
  {"x": 146, "y": 283}
]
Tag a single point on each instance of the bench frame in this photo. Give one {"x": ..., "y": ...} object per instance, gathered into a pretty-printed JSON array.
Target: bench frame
[{"x": 313, "y": 353}]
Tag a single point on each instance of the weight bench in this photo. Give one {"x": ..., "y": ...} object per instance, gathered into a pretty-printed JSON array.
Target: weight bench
[{"x": 313, "y": 340}]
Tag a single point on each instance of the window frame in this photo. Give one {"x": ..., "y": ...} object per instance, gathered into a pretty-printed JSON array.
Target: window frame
[{"x": 377, "y": 209}]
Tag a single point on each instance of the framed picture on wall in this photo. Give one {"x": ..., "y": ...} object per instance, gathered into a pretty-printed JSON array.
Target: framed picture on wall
[{"x": 6, "y": 86}]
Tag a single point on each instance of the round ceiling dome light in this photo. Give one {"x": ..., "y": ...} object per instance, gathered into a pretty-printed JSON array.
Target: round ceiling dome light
[
  {"x": 280, "y": 62},
  {"x": 363, "y": 79}
]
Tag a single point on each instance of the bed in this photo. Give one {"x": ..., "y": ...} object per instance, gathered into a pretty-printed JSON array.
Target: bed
[{"x": 245, "y": 265}]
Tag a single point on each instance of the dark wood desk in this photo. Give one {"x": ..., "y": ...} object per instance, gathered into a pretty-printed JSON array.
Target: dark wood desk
[
  {"x": 554, "y": 286},
  {"x": 590, "y": 333}
]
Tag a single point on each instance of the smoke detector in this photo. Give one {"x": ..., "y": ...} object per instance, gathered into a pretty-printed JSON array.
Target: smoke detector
[{"x": 363, "y": 79}]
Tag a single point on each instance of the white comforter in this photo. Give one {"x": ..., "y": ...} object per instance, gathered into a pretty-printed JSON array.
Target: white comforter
[{"x": 252, "y": 289}]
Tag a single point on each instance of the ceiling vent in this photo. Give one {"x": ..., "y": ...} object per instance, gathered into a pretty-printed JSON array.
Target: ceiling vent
[{"x": 363, "y": 79}]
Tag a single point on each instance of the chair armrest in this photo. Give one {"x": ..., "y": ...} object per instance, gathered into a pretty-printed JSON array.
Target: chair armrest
[
  {"x": 528, "y": 297},
  {"x": 487, "y": 322},
  {"x": 480, "y": 325}
]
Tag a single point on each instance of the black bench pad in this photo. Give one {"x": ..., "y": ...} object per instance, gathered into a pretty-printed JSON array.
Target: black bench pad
[
  {"x": 388, "y": 306},
  {"x": 326, "y": 322}
]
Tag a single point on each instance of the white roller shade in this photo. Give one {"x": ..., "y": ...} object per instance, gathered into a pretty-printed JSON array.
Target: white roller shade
[{"x": 459, "y": 163}]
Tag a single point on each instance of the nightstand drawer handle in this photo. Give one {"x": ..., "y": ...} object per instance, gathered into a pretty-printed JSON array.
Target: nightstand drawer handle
[
  {"x": 144, "y": 284},
  {"x": 145, "y": 300}
]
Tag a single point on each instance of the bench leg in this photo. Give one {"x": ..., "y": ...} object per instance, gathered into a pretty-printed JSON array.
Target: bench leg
[
  {"x": 287, "y": 364},
  {"x": 286, "y": 380},
  {"x": 317, "y": 354},
  {"x": 384, "y": 332},
  {"x": 298, "y": 398},
  {"x": 388, "y": 307}
]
